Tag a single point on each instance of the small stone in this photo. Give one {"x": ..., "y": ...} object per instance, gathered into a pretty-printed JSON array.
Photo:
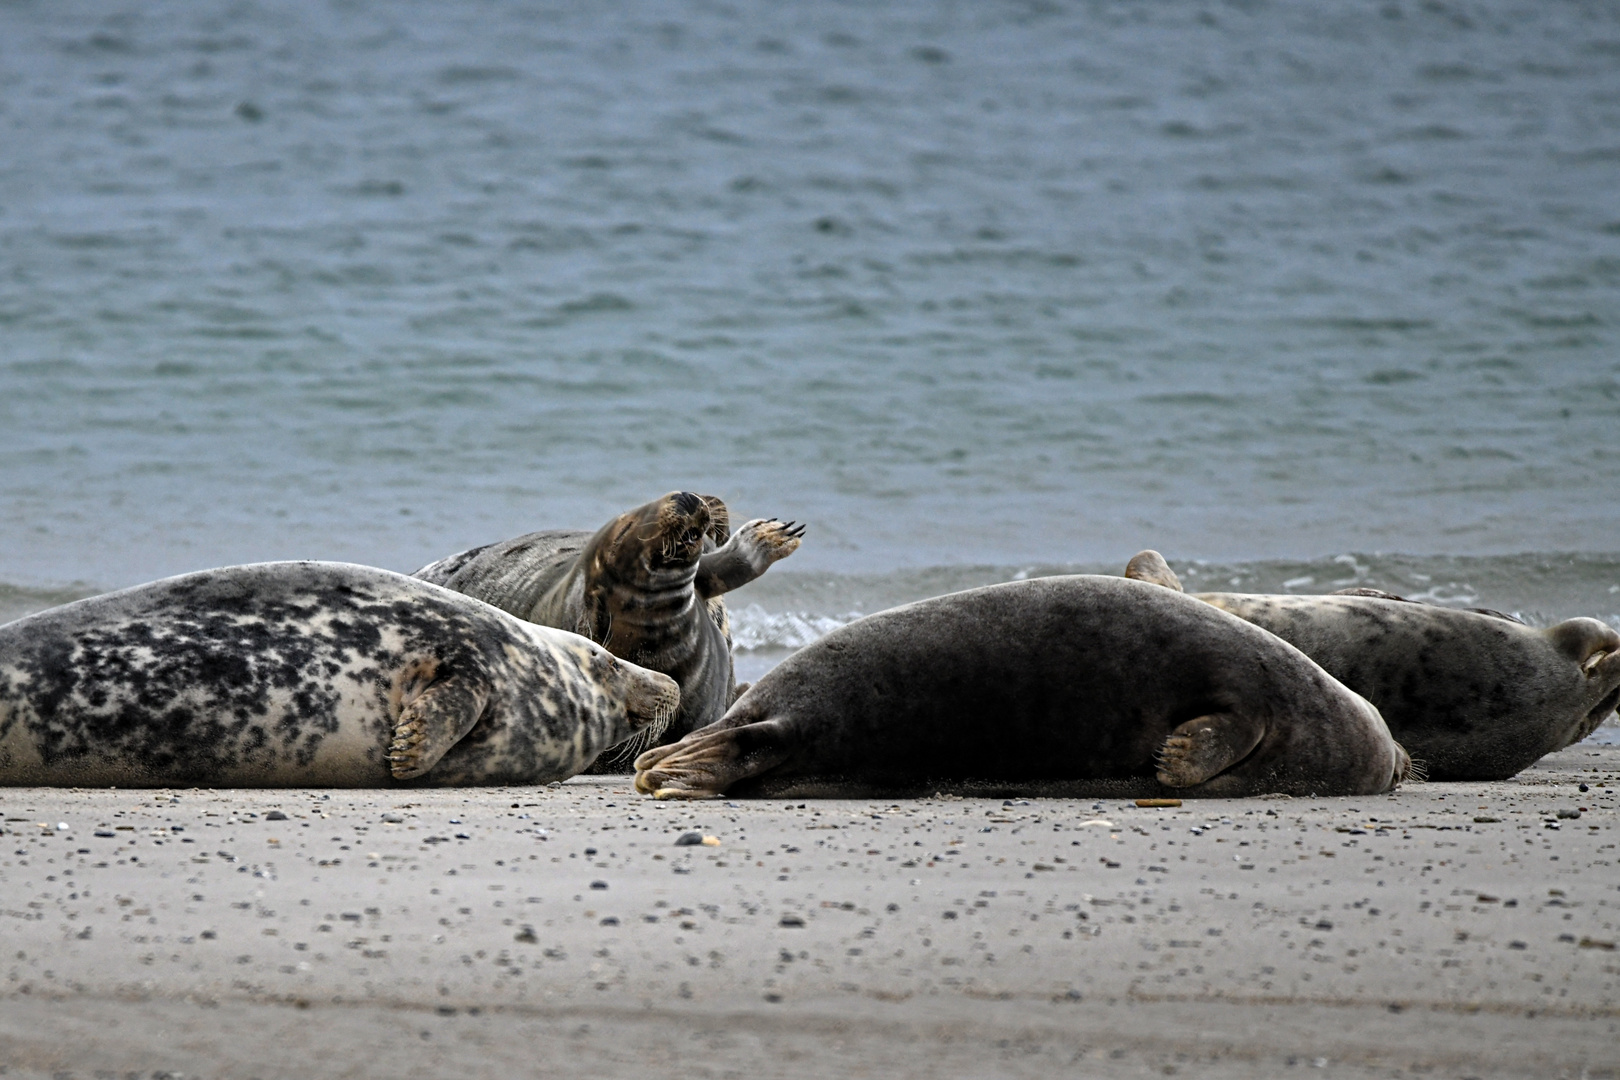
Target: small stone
[
  {"x": 525, "y": 936},
  {"x": 1569, "y": 815},
  {"x": 689, "y": 839},
  {"x": 598, "y": 884},
  {"x": 275, "y": 815},
  {"x": 791, "y": 921},
  {"x": 394, "y": 819}
]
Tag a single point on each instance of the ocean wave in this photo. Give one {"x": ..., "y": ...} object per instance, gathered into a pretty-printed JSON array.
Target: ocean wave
[{"x": 753, "y": 629}]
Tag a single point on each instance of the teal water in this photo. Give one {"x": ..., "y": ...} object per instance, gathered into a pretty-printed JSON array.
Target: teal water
[{"x": 970, "y": 288}]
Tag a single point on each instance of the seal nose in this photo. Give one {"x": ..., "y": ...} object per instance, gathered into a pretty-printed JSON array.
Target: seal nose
[{"x": 652, "y": 700}]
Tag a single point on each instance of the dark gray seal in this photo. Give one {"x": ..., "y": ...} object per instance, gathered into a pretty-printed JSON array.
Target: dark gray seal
[
  {"x": 311, "y": 675},
  {"x": 1471, "y": 694},
  {"x": 648, "y": 585},
  {"x": 1063, "y": 685}
]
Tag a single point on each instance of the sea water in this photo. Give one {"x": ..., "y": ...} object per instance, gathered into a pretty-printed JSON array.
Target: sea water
[{"x": 1303, "y": 294}]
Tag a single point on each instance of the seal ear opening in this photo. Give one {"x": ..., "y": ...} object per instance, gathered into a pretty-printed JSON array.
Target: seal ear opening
[{"x": 1149, "y": 566}]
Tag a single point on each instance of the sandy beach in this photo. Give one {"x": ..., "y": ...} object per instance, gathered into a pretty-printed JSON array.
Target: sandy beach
[{"x": 1443, "y": 930}]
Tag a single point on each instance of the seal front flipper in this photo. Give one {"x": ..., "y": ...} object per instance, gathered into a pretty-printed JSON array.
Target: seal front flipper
[
  {"x": 705, "y": 763},
  {"x": 1204, "y": 747},
  {"x": 433, "y": 721},
  {"x": 1149, "y": 566},
  {"x": 746, "y": 555}
]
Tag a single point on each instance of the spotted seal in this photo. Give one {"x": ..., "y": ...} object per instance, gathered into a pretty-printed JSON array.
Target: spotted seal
[
  {"x": 1082, "y": 685},
  {"x": 306, "y": 674},
  {"x": 1471, "y": 694},
  {"x": 648, "y": 585}
]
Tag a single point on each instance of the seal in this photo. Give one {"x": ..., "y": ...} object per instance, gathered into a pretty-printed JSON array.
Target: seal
[
  {"x": 1076, "y": 686},
  {"x": 648, "y": 586},
  {"x": 1472, "y": 694},
  {"x": 307, "y": 674}
]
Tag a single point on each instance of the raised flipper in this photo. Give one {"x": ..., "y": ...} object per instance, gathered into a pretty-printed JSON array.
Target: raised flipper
[
  {"x": 1204, "y": 747},
  {"x": 746, "y": 555},
  {"x": 433, "y": 721},
  {"x": 705, "y": 763},
  {"x": 1149, "y": 566}
]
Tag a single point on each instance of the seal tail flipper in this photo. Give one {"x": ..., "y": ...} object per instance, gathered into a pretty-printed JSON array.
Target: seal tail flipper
[
  {"x": 432, "y": 722},
  {"x": 1205, "y": 747},
  {"x": 751, "y": 551},
  {"x": 1149, "y": 566},
  {"x": 705, "y": 763}
]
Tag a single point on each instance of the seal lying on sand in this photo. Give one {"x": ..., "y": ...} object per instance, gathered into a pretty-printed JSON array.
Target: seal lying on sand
[
  {"x": 306, "y": 674},
  {"x": 1472, "y": 695},
  {"x": 647, "y": 585},
  {"x": 1062, "y": 685}
]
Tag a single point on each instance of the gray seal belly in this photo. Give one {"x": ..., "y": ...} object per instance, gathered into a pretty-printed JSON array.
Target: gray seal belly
[
  {"x": 306, "y": 674},
  {"x": 1065, "y": 685}
]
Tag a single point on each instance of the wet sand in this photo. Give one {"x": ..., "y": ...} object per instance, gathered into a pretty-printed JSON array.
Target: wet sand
[{"x": 1446, "y": 930}]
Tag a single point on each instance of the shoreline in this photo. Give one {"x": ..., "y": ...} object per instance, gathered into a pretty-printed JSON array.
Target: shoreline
[{"x": 1442, "y": 927}]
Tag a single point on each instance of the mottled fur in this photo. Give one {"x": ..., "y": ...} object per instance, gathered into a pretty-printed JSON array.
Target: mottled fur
[
  {"x": 1473, "y": 695},
  {"x": 305, "y": 674},
  {"x": 1065, "y": 685}
]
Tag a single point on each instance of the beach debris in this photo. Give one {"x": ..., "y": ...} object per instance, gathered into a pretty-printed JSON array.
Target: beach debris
[
  {"x": 791, "y": 921},
  {"x": 393, "y": 819},
  {"x": 695, "y": 839},
  {"x": 1157, "y": 803}
]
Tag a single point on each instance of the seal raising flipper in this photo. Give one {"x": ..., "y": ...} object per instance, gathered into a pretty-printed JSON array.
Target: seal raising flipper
[
  {"x": 648, "y": 585},
  {"x": 748, "y": 553},
  {"x": 1057, "y": 686},
  {"x": 434, "y": 721},
  {"x": 1472, "y": 694}
]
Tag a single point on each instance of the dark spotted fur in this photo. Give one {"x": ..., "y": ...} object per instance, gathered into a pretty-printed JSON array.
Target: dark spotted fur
[
  {"x": 1472, "y": 694},
  {"x": 296, "y": 674}
]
